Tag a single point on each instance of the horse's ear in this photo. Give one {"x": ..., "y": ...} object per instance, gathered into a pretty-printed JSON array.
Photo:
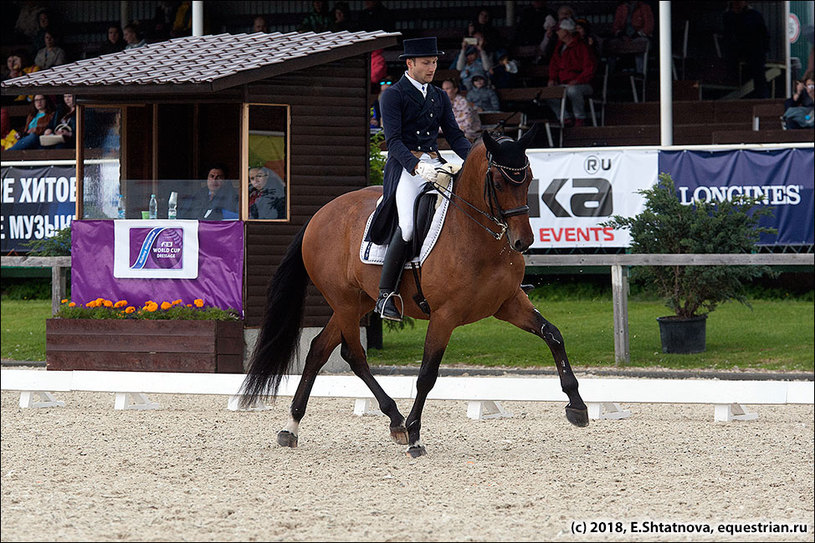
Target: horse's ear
[
  {"x": 528, "y": 139},
  {"x": 491, "y": 145}
]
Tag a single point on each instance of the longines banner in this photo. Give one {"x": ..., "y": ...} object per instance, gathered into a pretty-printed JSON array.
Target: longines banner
[
  {"x": 782, "y": 179},
  {"x": 572, "y": 194},
  {"x": 38, "y": 201}
]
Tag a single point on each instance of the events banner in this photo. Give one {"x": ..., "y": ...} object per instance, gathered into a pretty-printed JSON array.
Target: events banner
[
  {"x": 573, "y": 193},
  {"x": 155, "y": 249},
  {"x": 38, "y": 201},
  {"x": 781, "y": 178},
  {"x": 218, "y": 280}
]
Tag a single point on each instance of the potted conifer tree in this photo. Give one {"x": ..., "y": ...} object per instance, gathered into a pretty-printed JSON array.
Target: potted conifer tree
[{"x": 666, "y": 226}]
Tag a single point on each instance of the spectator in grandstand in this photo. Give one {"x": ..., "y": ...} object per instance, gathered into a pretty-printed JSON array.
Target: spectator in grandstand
[
  {"x": 530, "y": 25},
  {"x": 114, "y": 42},
  {"x": 319, "y": 20},
  {"x": 182, "y": 20},
  {"x": 63, "y": 123},
  {"x": 43, "y": 26},
  {"x": 504, "y": 75},
  {"x": 342, "y": 17},
  {"x": 42, "y": 110},
  {"x": 132, "y": 38},
  {"x": 747, "y": 39},
  {"x": 267, "y": 194},
  {"x": 259, "y": 24},
  {"x": 798, "y": 110},
  {"x": 586, "y": 34},
  {"x": 375, "y": 16},
  {"x": 376, "y": 109},
  {"x": 573, "y": 66},
  {"x": 464, "y": 112},
  {"x": 491, "y": 40},
  {"x": 51, "y": 55},
  {"x": 472, "y": 60},
  {"x": 547, "y": 44},
  {"x": 217, "y": 201},
  {"x": 18, "y": 64},
  {"x": 482, "y": 96},
  {"x": 632, "y": 29}
]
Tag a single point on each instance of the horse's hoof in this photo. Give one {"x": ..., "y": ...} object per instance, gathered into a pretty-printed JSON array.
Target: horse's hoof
[
  {"x": 286, "y": 439},
  {"x": 415, "y": 451},
  {"x": 399, "y": 434},
  {"x": 578, "y": 417}
]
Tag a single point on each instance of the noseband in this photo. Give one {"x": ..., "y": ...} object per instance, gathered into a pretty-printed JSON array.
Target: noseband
[{"x": 510, "y": 175}]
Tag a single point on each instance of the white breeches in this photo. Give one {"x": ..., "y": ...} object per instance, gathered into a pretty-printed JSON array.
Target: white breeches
[{"x": 407, "y": 191}]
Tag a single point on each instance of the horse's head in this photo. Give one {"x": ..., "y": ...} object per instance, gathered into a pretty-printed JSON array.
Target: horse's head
[{"x": 507, "y": 183}]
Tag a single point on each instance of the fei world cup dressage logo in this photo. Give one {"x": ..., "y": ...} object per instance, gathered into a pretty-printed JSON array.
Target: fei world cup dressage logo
[{"x": 156, "y": 248}]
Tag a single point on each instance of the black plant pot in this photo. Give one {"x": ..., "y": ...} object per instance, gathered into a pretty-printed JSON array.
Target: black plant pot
[{"x": 682, "y": 336}]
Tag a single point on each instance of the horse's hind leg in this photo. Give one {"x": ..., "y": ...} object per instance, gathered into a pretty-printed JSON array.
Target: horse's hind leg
[
  {"x": 321, "y": 348},
  {"x": 520, "y": 312},
  {"x": 354, "y": 354}
]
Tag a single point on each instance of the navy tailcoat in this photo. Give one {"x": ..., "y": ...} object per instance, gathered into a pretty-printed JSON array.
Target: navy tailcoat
[{"x": 411, "y": 123}]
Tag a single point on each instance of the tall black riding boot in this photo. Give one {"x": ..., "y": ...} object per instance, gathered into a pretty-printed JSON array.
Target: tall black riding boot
[{"x": 392, "y": 269}]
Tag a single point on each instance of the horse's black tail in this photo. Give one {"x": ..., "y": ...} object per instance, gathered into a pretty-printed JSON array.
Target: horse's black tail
[{"x": 279, "y": 335}]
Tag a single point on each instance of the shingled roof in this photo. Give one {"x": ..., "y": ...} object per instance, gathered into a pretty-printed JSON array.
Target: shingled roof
[{"x": 200, "y": 64}]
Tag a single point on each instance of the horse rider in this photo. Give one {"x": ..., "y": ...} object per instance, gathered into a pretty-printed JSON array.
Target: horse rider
[{"x": 413, "y": 110}]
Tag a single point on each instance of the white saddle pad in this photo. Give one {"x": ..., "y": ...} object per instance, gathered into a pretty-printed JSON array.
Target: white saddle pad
[{"x": 371, "y": 253}]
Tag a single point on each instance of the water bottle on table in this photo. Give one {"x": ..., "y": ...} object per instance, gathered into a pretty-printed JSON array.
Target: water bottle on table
[
  {"x": 153, "y": 207},
  {"x": 172, "y": 205}
]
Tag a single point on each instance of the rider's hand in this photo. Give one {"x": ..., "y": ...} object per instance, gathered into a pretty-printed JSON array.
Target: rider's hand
[{"x": 427, "y": 172}]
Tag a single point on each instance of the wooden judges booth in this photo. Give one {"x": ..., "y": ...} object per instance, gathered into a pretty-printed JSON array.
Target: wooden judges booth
[{"x": 153, "y": 120}]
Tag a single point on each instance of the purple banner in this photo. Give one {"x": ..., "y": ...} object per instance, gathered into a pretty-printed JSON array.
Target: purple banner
[
  {"x": 220, "y": 266},
  {"x": 781, "y": 178}
]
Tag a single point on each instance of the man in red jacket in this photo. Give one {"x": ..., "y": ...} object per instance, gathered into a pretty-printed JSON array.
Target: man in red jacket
[{"x": 572, "y": 65}]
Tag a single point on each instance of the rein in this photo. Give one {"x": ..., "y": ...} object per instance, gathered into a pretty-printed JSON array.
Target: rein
[{"x": 491, "y": 199}]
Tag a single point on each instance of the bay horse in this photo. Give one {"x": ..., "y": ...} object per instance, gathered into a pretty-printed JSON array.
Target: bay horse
[{"x": 474, "y": 271}]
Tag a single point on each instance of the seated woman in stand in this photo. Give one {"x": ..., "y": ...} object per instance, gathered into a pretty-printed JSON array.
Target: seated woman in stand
[
  {"x": 267, "y": 194},
  {"x": 37, "y": 121},
  {"x": 63, "y": 123}
]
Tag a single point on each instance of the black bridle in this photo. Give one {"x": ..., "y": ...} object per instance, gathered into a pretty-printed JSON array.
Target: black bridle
[{"x": 491, "y": 199}]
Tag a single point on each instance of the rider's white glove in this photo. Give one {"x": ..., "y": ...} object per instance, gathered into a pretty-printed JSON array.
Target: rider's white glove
[{"x": 427, "y": 171}]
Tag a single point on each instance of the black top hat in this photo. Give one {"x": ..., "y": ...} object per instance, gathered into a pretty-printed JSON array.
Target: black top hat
[{"x": 420, "y": 47}]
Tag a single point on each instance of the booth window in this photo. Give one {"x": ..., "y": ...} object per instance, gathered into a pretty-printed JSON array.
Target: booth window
[
  {"x": 102, "y": 171},
  {"x": 267, "y": 176}
]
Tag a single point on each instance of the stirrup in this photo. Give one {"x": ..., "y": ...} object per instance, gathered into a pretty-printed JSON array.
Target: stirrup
[{"x": 389, "y": 313}]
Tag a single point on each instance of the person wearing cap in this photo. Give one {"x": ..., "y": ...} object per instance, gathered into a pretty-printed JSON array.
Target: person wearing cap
[
  {"x": 482, "y": 96},
  {"x": 413, "y": 111},
  {"x": 572, "y": 65},
  {"x": 472, "y": 60}
]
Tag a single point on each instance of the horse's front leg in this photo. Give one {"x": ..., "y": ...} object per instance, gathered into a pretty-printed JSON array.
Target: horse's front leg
[
  {"x": 435, "y": 343},
  {"x": 520, "y": 312}
]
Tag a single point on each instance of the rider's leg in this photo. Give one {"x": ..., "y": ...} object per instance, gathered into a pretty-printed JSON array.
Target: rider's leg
[{"x": 407, "y": 191}]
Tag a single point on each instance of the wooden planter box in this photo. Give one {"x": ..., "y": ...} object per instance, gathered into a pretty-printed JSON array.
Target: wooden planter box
[{"x": 144, "y": 345}]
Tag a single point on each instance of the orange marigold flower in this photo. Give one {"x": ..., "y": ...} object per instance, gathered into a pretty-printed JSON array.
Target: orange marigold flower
[
  {"x": 72, "y": 304},
  {"x": 177, "y": 302},
  {"x": 64, "y": 301},
  {"x": 150, "y": 306},
  {"x": 120, "y": 303},
  {"x": 198, "y": 302},
  {"x": 189, "y": 305},
  {"x": 130, "y": 309},
  {"x": 166, "y": 305},
  {"x": 107, "y": 303}
]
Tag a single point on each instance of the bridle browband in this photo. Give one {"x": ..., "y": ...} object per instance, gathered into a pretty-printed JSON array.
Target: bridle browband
[{"x": 490, "y": 198}]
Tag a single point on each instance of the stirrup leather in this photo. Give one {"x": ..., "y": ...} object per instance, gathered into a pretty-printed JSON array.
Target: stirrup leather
[{"x": 389, "y": 312}]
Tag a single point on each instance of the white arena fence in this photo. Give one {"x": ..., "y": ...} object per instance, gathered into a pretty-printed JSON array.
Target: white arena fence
[{"x": 482, "y": 394}]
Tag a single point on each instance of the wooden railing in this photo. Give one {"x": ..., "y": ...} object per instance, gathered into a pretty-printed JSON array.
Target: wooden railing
[
  {"x": 59, "y": 270},
  {"x": 620, "y": 263}
]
